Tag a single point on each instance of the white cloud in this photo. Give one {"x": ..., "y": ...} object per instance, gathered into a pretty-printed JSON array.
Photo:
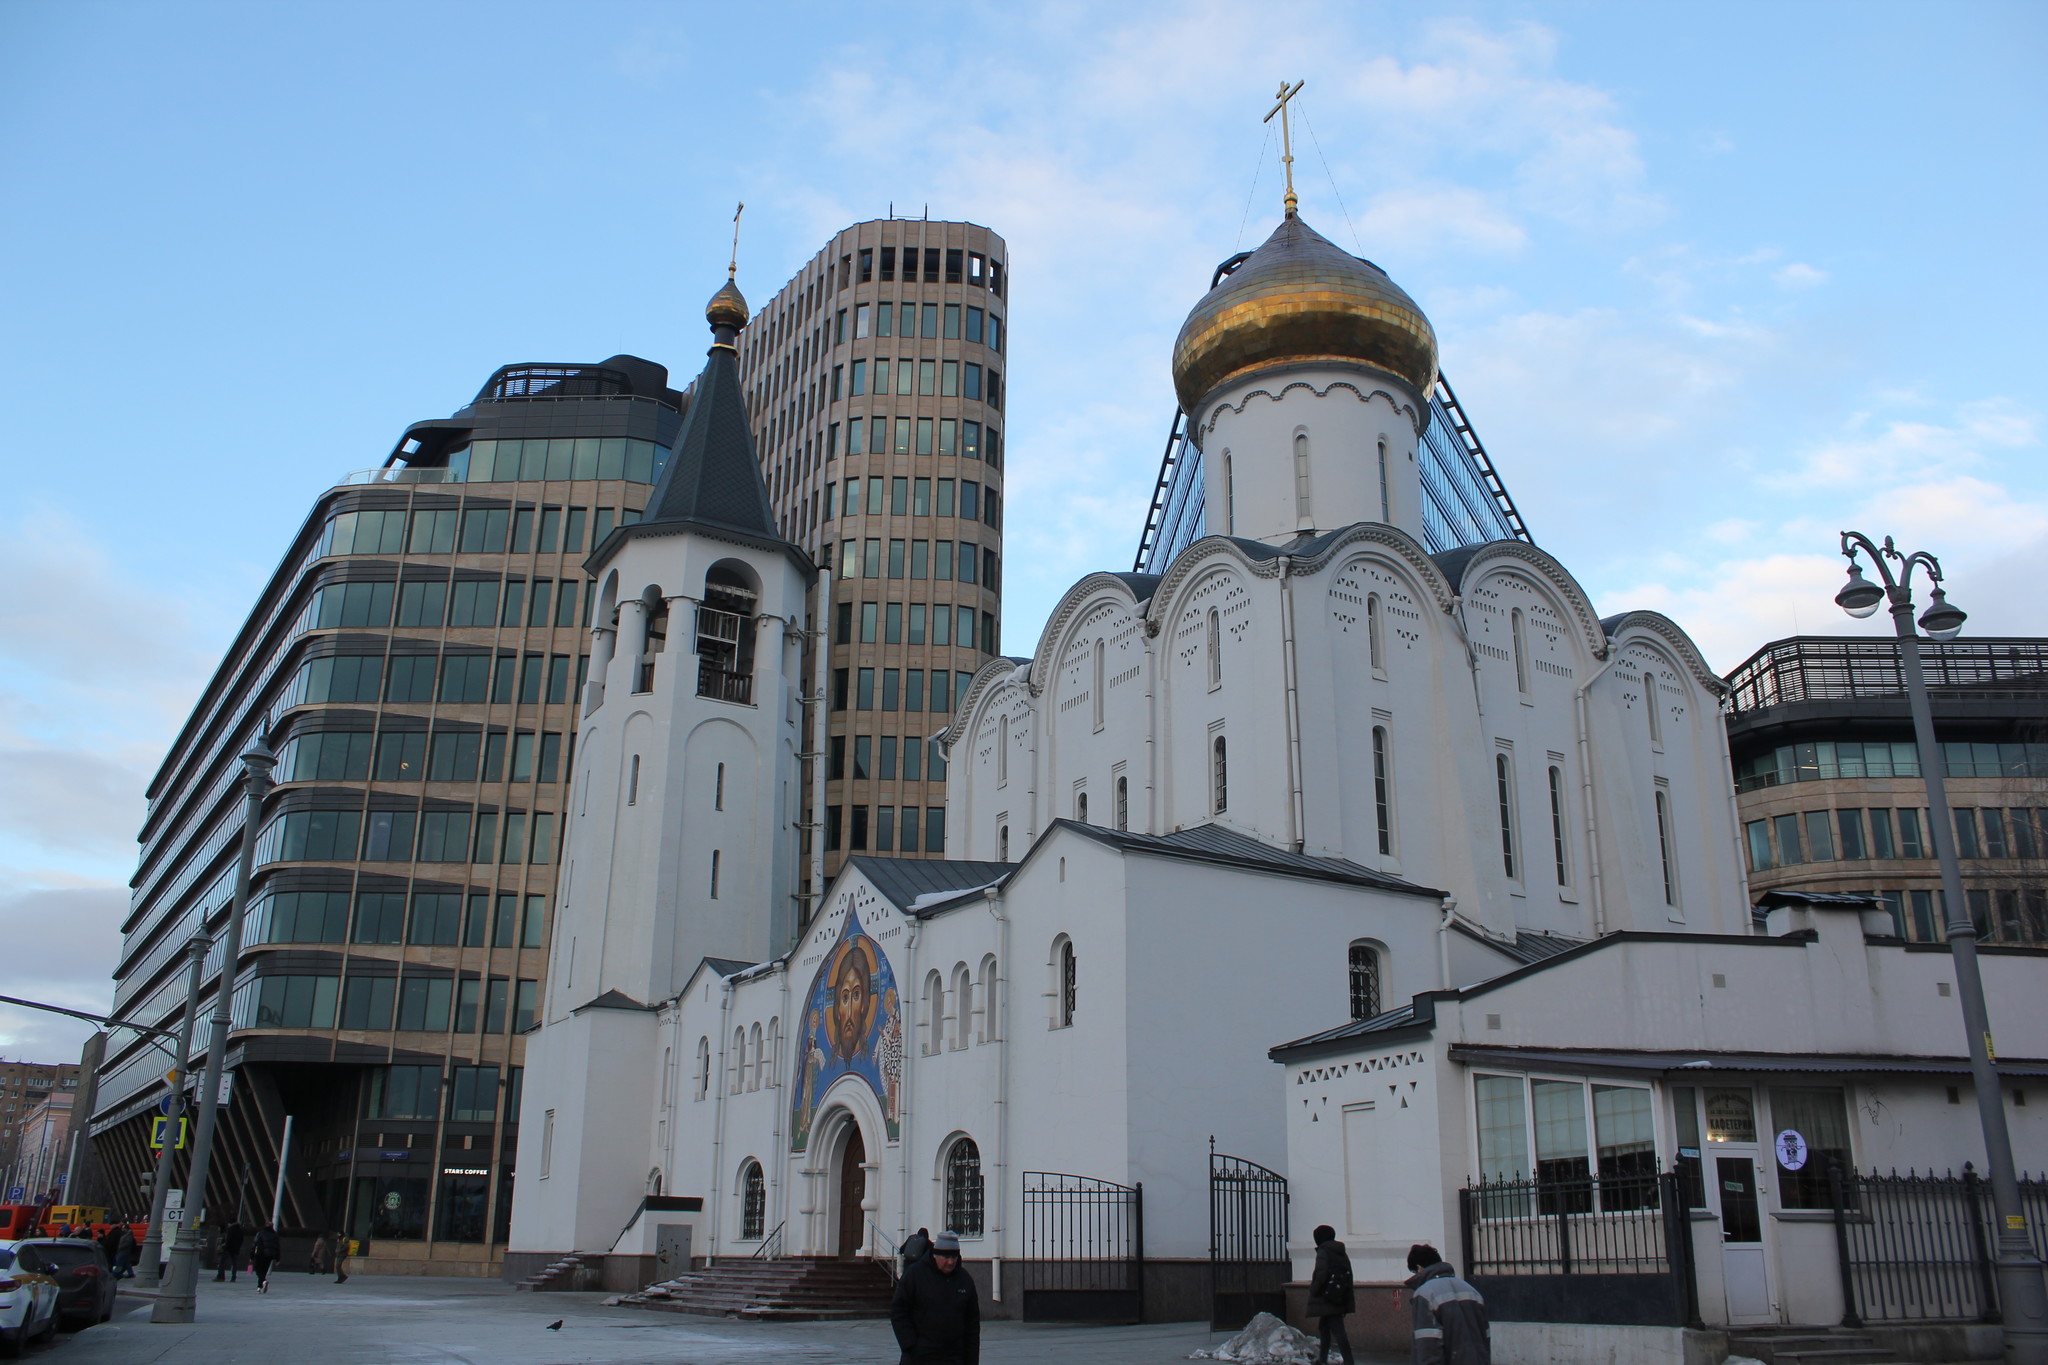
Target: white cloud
[
  {"x": 1799, "y": 275},
  {"x": 1416, "y": 221}
]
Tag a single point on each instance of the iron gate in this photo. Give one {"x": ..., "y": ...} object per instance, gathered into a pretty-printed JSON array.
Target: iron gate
[
  {"x": 1084, "y": 1249},
  {"x": 1248, "y": 1264}
]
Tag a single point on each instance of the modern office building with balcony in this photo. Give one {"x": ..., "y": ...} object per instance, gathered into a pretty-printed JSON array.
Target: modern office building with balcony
[
  {"x": 415, "y": 663},
  {"x": 1829, "y": 790},
  {"x": 875, "y": 380}
]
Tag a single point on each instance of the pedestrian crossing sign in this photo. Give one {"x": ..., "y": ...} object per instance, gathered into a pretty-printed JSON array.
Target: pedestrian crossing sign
[{"x": 156, "y": 1132}]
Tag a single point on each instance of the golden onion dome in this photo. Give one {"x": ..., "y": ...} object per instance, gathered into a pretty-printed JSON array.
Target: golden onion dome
[
  {"x": 1301, "y": 299},
  {"x": 728, "y": 307}
]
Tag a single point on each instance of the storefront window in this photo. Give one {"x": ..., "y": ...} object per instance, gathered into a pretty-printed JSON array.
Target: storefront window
[
  {"x": 1685, "y": 1113},
  {"x": 464, "y": 1206},
  {"x": 1516, "y": 1116},
  {"x": 1626, "y": 1146},
  {"x": 1820, "y": 1118},
  {"x": 391, "y": 1207}
]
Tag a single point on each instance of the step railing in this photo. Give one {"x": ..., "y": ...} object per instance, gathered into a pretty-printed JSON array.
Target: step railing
[{"x": 771, "y": 1246}]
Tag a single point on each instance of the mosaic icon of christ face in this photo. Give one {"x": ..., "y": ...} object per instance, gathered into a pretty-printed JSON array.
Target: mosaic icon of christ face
[{"x": 852, "y": 1011}]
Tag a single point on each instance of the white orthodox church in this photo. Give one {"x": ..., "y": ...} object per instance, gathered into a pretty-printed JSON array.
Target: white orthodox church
[{"x": 1306, "y": 774}]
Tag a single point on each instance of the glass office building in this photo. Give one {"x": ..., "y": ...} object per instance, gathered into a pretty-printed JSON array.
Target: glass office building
[{"x": 415, "y": 663}]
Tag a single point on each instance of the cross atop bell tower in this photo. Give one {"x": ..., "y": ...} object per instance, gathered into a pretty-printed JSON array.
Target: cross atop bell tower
[{"x": 1287, "y": 92}]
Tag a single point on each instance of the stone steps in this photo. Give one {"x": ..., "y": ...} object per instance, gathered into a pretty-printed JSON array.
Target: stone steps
[
  {"x": 1809, "y": 1346},
  {"x": 793, "y": 1289},
  {"x": 556, "y": 1275}
]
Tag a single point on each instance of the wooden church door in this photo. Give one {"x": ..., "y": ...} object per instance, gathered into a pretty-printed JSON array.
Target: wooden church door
[{"x": 853, "y": 1192}]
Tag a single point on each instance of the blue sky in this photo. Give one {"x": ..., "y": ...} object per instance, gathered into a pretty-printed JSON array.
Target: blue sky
[{"x": 1713, "y": 282}]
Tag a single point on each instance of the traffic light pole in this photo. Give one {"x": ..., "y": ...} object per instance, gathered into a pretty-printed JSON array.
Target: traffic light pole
[
  {"x": 179, "y": 1297},
  {"x": 152, "y": 1252}
]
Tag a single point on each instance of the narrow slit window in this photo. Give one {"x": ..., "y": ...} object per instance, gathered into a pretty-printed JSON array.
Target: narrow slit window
[
  {"x": 1504, "y": 788},
  {"x": 1557, "y": 844},
  {"x": 1382, "y": 791}
]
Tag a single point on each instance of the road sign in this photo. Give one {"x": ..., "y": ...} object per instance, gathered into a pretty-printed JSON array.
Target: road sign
[
  {"x": 168, "y": 1105},
  {"x": 227, "y": 1088},
  {"x": 156, "y": 1132},
  {"x": 16, "y": 1193},
  {"x": 174, "y": 1215},
  {"x": 174, "y": 1199}
]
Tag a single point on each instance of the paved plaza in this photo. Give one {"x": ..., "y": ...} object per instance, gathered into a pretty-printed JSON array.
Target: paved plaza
[{"x": 395, "y": 1320}]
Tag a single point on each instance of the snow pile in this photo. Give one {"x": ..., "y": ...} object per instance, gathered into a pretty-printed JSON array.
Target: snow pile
[{"x": 1265, "y": 1341}]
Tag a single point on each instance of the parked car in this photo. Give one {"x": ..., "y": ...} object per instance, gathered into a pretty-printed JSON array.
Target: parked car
[
  {"x": 85, "y": 1282},
  {"x": 28, "y": 1298}
]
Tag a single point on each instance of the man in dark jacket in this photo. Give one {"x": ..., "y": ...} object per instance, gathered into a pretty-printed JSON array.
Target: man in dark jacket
[
  {"x": 916, "y": 1247},
  {"x": 1330, "y": 1294},
  {"x": 1449, "y": 1317},
  {"x": 936, "y": 1314},
  {"x": 264, "y": 1250},
  {"x": 228, "y": 1262}
]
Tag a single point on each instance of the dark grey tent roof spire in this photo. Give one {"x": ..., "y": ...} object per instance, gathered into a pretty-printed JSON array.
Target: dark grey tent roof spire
[{"x": 714, "y": 476}]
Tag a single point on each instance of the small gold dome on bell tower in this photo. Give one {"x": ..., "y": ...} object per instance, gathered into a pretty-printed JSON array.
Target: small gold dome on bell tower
[{"x": 728, "y": 307}]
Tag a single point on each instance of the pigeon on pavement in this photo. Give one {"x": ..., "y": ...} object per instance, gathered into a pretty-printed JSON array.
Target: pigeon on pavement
[{"x": 556, "y": 1325}]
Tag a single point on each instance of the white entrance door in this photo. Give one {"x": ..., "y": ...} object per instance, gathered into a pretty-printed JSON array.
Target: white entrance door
[{"x": 1732, "y": 1189}]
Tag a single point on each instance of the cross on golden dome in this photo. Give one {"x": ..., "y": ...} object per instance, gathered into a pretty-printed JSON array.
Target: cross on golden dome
[{"x": 1287, "y": 92}]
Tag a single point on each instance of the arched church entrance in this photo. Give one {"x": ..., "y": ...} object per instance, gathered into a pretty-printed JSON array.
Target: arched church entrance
[{"x": 853, "y": 1192}]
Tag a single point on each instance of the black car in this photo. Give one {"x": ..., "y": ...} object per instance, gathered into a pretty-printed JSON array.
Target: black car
[{"x": 85, "y": 1284}]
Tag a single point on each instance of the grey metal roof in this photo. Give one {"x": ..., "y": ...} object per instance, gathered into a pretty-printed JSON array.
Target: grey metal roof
[
  {"x": 611, "y": 1000},
  {"x": 715, "y": 475},
  {"x": 727, "y": 966},
  {"x": 1770, "y": 900},
  {"x": 1218, "y": 844},
  {"x": 906, "y": 881},
  {"x": 1398, "y": 1018},
  {"x": 1452, "y": 562},
  {"x": 1142, "y": 585},
  {"x": 1623, "y": 1059},
  {"x": 1534, "y": 947}
]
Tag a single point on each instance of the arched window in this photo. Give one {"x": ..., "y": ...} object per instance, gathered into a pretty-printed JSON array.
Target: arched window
[
  {"x": 654, "y": 640},
  {"x": 718, "y": 790},
  {"x": 963, "y": 1006},
  {"x": 1229, "y": 496},
  {"x": 771, "y": 1059},
  {"x": 963, "y": 1188},
  {"x": 1557, "y": 841},
  {"x": 725, "y": 635},
  {"x": 1664, "y": 834},
  {"x": 1215, "y": 649},
  {"x": 1003, "y": 844},
  {"x": 755, "y": 1061},
  {"x": 753, "y": 1203},
  {"x": 1301, "y": 498},
  {"x": 1386, "y": 506},
  {"x": 715, "y": 860},
  {"x": 1365, "y": 981},
  {"x": 934, "y": 1013},
  {"x": 1081, "y": 807},
  {"x": 1219, "y": 777},
  {"x": 1504, "y": 793},
  {"x": 633, "y": 782},
  {"x": 1650, "y": 705},
  {"x": 1518, "y": 636},
  {"x": 1066, "y": 984},
  {"x": 736, "y": 1063},
  {"x": 1123, "y": 803},
  {"x": 667, "y": 1077},
  {"x": 1383, "y": 790},
  {"x": 987, "y": 994},
  {"x": 1374, "y": 638},
  {"x": 1002, "y": 750},
  {"x": 1096, "y": 691},
  {"x": 703, "y": 1067}
]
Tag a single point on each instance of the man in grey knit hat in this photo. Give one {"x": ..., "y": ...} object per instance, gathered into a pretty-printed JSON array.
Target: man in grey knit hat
[{"x": 936, "y": 1313}]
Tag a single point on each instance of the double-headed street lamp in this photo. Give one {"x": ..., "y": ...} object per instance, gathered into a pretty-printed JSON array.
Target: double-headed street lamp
[{"x": 2022, "y": 1295}]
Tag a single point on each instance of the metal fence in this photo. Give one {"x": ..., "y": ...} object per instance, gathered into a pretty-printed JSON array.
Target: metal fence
[
  {"x": 1919, "y": 1248},
  {"x": 1084, "y": 1249},
  {"x": 1591, "y": 1249}
]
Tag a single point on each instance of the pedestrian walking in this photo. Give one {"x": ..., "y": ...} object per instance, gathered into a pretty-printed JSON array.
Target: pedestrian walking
[
  {"x": 916, "y": 1247},
  {"x": 227, "y": 1264},
  {"x": 263, "y": 1251},
  {"x": 323, "y": 1255},
  {"x": 1331, "y": 1295},
  {"x": 936, "y": 1313},
  {"x": 1448, "y": 1316},
  {"x": 125, "y": 1252},
  {"x": 344, "y": 1247}
]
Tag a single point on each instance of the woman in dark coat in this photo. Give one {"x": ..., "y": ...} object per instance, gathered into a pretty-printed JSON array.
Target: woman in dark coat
[{"x": 1330, "y": 1294}]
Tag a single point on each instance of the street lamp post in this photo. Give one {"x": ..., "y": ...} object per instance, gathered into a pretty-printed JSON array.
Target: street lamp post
[
  {"x": 152, "y": 1252},
  {"x": 177, "y": 1301},
  {"x": 2022, "y": 1294}
]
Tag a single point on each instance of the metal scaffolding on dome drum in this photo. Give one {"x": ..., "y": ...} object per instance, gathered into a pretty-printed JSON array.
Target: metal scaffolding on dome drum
[{"x": 1464, "y": 501}]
